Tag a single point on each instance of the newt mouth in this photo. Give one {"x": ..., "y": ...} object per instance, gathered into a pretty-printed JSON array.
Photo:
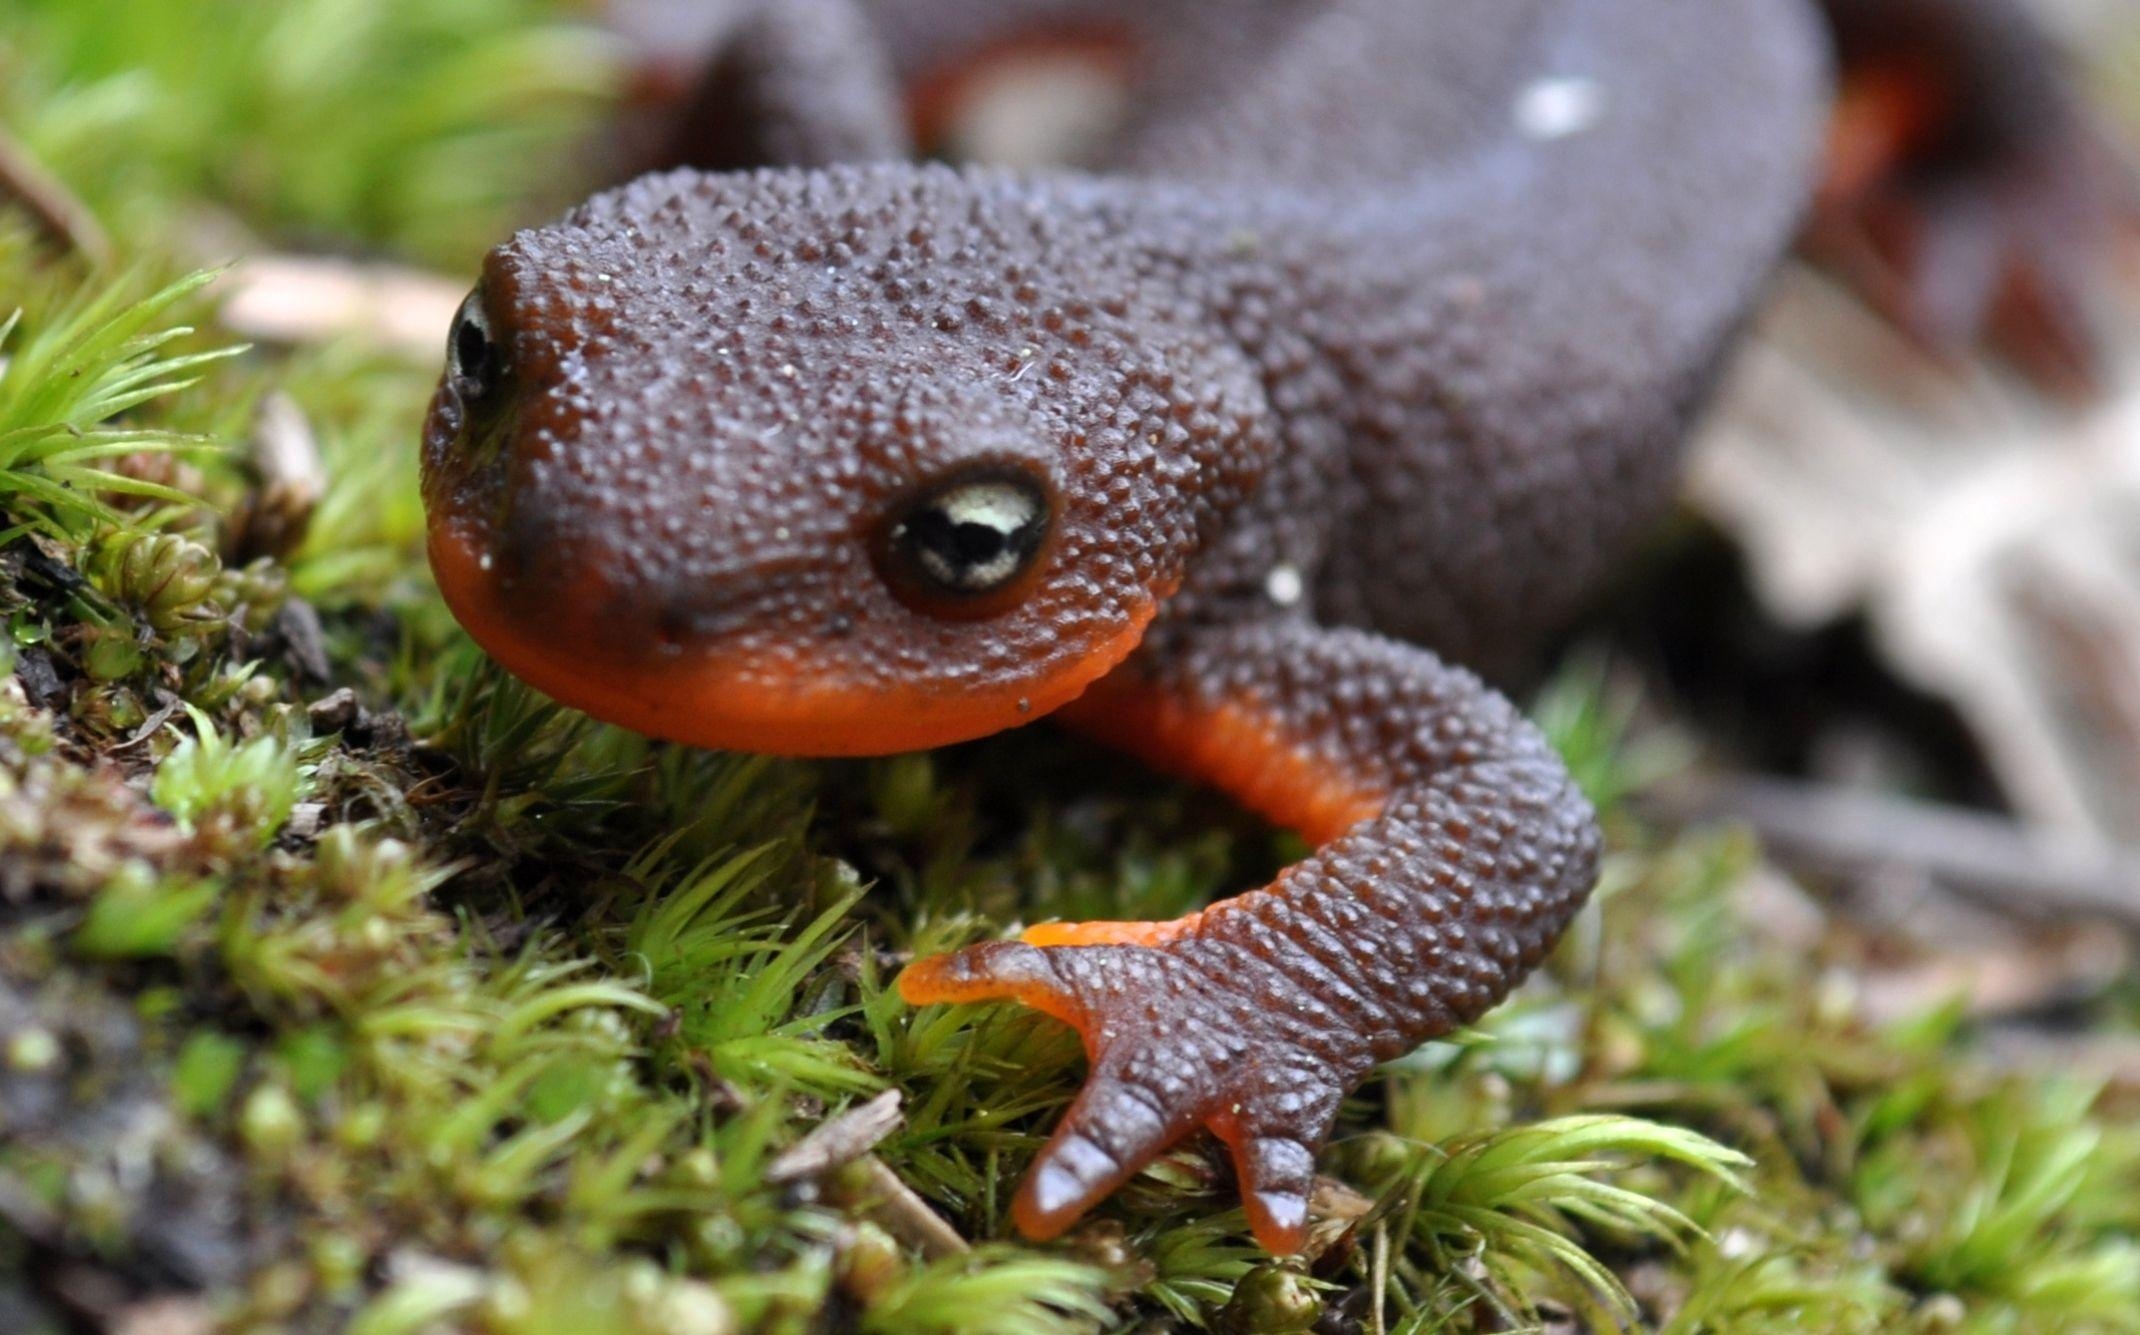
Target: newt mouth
[{"x": 784, "y": 703}]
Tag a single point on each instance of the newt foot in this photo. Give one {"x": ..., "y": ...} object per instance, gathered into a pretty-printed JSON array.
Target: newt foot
[{"x": 1178, "y": 1038}]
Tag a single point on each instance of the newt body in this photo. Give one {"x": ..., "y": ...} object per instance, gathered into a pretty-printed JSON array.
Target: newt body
[{"x": 1367, "y": 348}]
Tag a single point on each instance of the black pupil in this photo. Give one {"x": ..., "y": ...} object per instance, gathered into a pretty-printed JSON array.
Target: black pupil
[
  {"x": 961, "y": 545},
  {"x": 471, "y": 351},
  {"x": 976, "y": 538}
]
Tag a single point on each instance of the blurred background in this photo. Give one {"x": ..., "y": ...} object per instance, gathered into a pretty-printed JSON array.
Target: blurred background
[{"x": 1865, "y": 716}]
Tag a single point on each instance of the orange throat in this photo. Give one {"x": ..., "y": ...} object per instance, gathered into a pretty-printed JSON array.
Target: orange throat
[{"x": 782, "y": 705}]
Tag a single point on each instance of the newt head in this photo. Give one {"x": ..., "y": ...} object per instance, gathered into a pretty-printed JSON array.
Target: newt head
[{"x": 781, "y": 462}]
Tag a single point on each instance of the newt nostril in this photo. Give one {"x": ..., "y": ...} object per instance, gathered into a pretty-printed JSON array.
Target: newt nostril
[{"x": 671, "y": 633}]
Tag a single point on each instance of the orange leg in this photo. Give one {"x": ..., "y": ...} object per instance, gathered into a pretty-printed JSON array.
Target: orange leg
[{"x": 1453, "y": 848}]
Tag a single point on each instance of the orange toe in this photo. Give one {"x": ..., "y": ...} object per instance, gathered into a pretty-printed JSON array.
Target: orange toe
[
  {"x": 1109, "y": 933},
  {"x": 992, "y": 971}
]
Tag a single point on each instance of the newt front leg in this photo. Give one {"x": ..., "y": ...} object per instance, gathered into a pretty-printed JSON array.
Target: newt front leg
[{"x": 1454, "y": 847}]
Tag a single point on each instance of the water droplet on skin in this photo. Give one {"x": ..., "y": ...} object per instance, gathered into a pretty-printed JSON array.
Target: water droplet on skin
[
  {"x": 1559, "y": 107},
  {"x": 1284, "y": 586}
]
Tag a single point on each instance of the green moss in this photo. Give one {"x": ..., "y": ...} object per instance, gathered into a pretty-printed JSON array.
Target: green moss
[
  {"x": 85, "y": 358},
  {"x": 404, "y": 122},
  {"x": 470, "y": 1012},
  {"x": 225, "y": 792}
]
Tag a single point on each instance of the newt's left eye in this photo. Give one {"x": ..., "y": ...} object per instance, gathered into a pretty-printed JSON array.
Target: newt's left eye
[
  {"x": 951, "y": 547},
  {"x": 475, "y": 358}
]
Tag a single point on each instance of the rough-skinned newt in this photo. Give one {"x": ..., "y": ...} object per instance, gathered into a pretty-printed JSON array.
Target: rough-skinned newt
[{"x": 1362, "y": 353}]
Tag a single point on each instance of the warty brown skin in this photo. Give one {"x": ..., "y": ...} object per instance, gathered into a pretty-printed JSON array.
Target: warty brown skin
[{"x": 1371, "y": 342}]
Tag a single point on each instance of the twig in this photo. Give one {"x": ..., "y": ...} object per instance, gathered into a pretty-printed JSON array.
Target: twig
[
  {"x": 1379, "y": 1272},
  {"x": 2110, "y": 1059},
  {"x": 150, "y": 726},
  {"x": 291, "y": 480},
  {"x": 870, "y": 1186},
  {"x": 303, "y": 300},
  {"x": 839, "y": 1142},
  {"x": 1335, "y": 1210},
  {"x": 893, "y": 1206},
  {"x": 2001, "y": 864},
  {"x": 61, "y": 216}
]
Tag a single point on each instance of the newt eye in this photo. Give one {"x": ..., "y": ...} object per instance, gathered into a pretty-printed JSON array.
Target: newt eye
[
  {"x": 950, "y": 548},
  {"x": 474, "y": 357}
]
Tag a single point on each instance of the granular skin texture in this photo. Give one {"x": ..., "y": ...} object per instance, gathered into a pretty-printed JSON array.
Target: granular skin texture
[{"x": 1363, "y": 348}]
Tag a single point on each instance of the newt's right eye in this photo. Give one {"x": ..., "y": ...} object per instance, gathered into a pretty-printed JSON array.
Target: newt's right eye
[
  {"x": 475, "y": 359},
  {"x": 962, "y": 547}
]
